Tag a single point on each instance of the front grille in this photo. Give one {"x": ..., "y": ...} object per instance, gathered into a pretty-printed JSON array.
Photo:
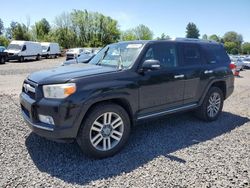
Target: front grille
[
  {"x": 30, "y": 89},
  {"x": 10, "y": 54},
  {"x": 70, "y": 56}
]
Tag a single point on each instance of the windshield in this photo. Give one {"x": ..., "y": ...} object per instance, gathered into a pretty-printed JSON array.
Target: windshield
[
  {"x": 14, "y": 47},
  {"x": 118, "y": 54},
  {"x": 44, "y": 48}
]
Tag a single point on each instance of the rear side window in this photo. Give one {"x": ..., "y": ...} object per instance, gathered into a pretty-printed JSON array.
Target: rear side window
[
  {"x": 216, "y": 54},
  {"x": 163, "y": 52},
  {"x": 191, "y": 55}
]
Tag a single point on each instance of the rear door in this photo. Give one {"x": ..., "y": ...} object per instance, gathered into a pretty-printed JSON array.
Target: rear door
[{"x": 191, "y": 63}]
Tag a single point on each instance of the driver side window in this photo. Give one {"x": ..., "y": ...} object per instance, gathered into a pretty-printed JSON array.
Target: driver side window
[{"x": 165, "y": 53}]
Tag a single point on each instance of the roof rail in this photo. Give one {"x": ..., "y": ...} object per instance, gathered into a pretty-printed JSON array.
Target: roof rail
[{"x": 194, "y": 40}]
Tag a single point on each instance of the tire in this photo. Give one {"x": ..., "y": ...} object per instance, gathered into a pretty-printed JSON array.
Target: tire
[
  {"x": 38, "y": 57},
  {"x": 21, "y": 59},
  {"x": 94, "y": 131},
  {"x": 212, "y": 105},
  {"x": 2, "y": 60}
]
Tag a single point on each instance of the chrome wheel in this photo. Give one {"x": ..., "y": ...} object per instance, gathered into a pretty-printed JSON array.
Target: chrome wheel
[
  {"x": 106, "y": 131},
  {"x": 214, "y": 104}
]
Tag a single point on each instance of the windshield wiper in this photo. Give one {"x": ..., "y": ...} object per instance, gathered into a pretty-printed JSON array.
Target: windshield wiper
[{"x": 104, "y": 55}]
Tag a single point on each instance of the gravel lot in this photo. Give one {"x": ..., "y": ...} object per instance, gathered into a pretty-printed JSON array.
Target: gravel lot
[{"x": 170, "y": 152}]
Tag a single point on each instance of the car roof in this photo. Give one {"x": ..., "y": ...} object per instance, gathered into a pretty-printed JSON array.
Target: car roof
[{"x": 177, "y": 40}]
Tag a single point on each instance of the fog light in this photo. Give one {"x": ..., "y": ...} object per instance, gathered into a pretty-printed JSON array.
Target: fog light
[{"x": 46, "y": 119}]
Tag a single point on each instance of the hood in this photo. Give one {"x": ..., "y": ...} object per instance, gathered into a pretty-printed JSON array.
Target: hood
[
  {"x": 65, "y": 73},
  {"x": 69, "y": 62},
  {"x": 12, "y": 51}
]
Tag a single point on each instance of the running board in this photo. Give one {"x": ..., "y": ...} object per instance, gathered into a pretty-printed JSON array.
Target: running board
[{"x": 168, "y": 111}]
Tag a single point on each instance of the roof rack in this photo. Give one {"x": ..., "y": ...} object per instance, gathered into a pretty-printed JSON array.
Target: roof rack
[{"x": 194, "y": 40}]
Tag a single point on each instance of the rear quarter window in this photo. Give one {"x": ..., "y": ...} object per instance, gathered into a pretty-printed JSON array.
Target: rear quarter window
[{"x": 216, "y": 54}]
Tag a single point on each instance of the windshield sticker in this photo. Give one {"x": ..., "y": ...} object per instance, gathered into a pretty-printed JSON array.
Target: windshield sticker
[{"x": 134, "y": 45}]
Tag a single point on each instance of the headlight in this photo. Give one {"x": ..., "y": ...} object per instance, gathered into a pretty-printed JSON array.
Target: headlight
[{"x": 59, "y": 91}]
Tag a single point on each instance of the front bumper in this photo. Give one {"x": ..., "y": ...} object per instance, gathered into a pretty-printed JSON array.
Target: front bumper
[{"x": 64, "y": 115}]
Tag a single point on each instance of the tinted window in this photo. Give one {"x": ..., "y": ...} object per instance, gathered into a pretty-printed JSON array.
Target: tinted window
[
  {"x": 191, "y": 55},
  {"x": 165, "y": 53},
  {"x": 216, "y": 54}
]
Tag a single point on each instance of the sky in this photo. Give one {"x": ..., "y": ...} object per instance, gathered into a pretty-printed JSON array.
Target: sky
[{"x": 161, "y": 16}]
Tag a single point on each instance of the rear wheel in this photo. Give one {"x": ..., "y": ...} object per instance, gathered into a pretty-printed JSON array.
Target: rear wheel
[
  {"x": 212, "y": 105},
  {"x": 21, "y": 59},
  {"x": 104, "y": 131}
]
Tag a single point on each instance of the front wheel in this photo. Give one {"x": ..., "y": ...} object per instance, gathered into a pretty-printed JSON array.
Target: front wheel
[
  {"x": 212, "y": 105},
  {"x": 2, "y": 60},
  {"x": 104, "y": 131}
]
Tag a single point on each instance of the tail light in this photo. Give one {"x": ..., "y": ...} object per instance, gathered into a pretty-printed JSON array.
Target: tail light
[{"x": 232, "y": 66}]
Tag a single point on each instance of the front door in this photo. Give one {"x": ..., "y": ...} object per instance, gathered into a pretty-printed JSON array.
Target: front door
[{"x": 161, "y": 89}]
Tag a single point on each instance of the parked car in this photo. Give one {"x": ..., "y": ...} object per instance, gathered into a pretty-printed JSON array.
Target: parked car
[
  {"x": 2, "y": 48},
  {"x": 126, "y": 82},
  {"x": 3, "y": 57},
  {"x": 246, "y": 63},
  {"x": 82, "y": 58},
  {"x": 50, "y": 49},
  {"x": 22, "y": 50},
  {"x": 238, "y": 63},
  {"x": 73, "y": 53}
]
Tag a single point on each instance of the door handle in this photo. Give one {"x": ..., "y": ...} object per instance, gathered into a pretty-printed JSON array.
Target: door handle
[
  {"x": 179, "y": 76},
  {"x": 208, "y": 71}
]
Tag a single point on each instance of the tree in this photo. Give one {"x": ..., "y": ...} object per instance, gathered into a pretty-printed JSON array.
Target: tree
[
  {"x": 143, "y": 32},
  {"x": 231, "y": 47},
  {"x": 1, "y": 27},
  {"x": 140, "y": 32},
  {"x": 232, "y": 36},
  {"x": 204, "y": 37},
  {"x": 42, "y": 28},
  {"x": 246, "y": 48},
  {"x": 163, "y": 37},
  {"x": 4, "y": 41},
  {"x": 192, "y": 31},
  {"x": 128, "y": 35},
  {"x": 214, "y": 38},
  {"x": 21, "y": 32}
]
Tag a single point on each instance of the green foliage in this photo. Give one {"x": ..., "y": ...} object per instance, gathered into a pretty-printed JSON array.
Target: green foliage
[
  {"x": 192, "y": 31},
  {"x": 42, "y": 29},
  {"x": 141, "y": 32},
  {"x": 21, "y": 32},
  {"x": 246, "y": 48},
  {"x": 163, "y": 37},
  {"x": 4, "y": 41},
  {"x": 128, "y": 35},
  {"x": 232, "y": 36},
  {"x": 214, "y": 38},
  {"x": 204, "y": 37},
  {"x": 230, "y": 47},
  {"x": 1, "y": 27}
]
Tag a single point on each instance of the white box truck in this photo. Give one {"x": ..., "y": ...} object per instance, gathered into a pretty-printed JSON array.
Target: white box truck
[
  {"x": 50, "y": 49},
  {"x": 22, "y": 50}
]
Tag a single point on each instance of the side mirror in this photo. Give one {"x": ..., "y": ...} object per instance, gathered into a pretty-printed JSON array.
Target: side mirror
[{"x": 151, "y": 64}]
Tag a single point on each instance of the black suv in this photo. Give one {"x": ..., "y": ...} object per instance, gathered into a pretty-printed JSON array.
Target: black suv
[{"x": 97, "y": 103}]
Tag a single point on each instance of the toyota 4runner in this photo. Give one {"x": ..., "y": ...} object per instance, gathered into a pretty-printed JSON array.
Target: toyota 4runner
[{"x": 97, "y": 103}]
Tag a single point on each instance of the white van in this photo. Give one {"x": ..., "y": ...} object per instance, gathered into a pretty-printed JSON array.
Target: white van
[
  {"x": 72, "y": 53},
  {"x": 50, "y": 49},
  {"x": 22, "y": 50}
]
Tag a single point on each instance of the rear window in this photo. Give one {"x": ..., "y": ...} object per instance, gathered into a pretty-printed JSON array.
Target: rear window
[
  {"x": 191, "y": 55},
  {"x": 216, "y": 54}
]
